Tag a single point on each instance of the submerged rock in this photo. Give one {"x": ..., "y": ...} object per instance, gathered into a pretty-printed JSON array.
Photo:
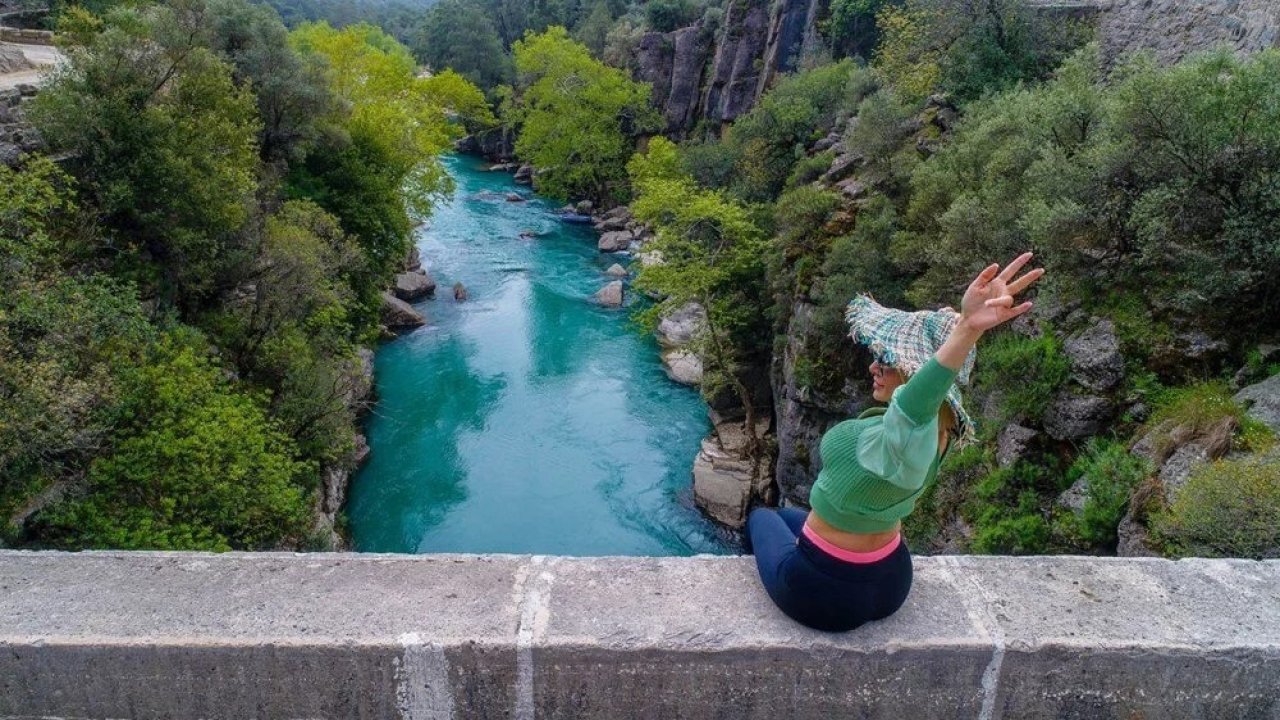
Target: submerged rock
[
  {"x": 615, "y": 241},
  {"x": 610, "y": 295},
  {"x": 413, "y": 285}
]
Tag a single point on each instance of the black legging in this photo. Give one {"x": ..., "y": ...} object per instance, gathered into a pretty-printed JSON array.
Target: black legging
[{"x": 816, "y": 589}]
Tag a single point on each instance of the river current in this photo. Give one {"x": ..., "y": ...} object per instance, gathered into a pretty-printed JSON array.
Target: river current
[{"x": 525, "y": 419}]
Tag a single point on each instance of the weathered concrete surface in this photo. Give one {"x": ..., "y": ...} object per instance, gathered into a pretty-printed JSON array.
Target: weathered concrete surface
[{"x": 187, "y": 635}]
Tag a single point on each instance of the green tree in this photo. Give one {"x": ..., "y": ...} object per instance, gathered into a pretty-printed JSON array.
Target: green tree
[
  {"x": 594, "y": 30},
  {"x": 162, "y": 141},
  {"x": 195, "y": 466},
  {"x": 712, "y": 252},
  {"x": 290, "y": 89},
  {"x": 577, "y": 117},
  {"x": 385, "y": 171},
  {"x": 458, "y": 35},
  {"x": 802, "y": 107}
]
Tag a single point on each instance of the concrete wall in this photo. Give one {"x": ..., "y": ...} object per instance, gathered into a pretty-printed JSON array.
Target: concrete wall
[{"x": 188, "y": 635}]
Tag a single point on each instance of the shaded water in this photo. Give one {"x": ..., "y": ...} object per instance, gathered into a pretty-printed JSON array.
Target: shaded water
[{"x": 526, "y": 419}]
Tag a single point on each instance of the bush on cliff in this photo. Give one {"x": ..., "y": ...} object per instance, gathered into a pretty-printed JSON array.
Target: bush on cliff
[
  {"x": 1230, "y": 508},
  {"x": 194, "y": 466},
  {"x": 1162, "y": 179}
]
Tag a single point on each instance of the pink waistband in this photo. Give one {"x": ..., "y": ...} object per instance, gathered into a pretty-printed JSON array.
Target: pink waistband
[{"x": 848, "y": 555}]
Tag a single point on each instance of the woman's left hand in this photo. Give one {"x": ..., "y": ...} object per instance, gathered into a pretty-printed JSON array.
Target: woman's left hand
[{"x": 989, "y": 300}]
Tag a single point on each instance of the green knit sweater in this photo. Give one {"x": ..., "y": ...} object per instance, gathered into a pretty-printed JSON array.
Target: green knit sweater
[{"x": 874, "y": 467}]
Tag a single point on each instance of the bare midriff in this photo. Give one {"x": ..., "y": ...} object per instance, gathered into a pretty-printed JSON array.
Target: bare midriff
[{"x": 853, "y": 542}]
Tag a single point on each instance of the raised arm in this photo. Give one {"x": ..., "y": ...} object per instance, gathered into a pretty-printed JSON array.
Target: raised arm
[{"x": 902, "y": 448}]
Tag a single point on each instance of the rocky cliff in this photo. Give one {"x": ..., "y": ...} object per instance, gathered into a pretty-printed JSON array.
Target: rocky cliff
[
  {"x": 1173, "y": 29},
  {"x": 697, "y": 73}
]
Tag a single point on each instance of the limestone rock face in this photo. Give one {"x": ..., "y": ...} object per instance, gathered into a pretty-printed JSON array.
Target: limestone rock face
[
  {"x": 399, "y": 315},
  {"x": 1262, "y": 401},
  {"x": 803, "y": 413},
  {"x": 1096, "y": 362},
  {"x": 682, "y": 366},
  {"x": 1013, "y": 443},
  {"x": 1173, "y": 29},
  {"x": 615, "y": 241},
  {"x": 681, "y": 326},
  {"x": 672, "y": 64},
  {"x": 1073, "y": 417},
  {"x": 737, "y": 67},
  {"x": 610, "y": 295},
  {"x": 412, "y": 285},
  {"x": 13, "y": 60},
  {"x": 1178, "y": 468},
  {"x": 724, "y": 482}
]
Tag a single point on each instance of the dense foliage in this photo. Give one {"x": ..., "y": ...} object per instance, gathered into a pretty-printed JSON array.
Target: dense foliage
[
  {"x": 577, "y": 117},
  {"x": 178, "y": 337}
]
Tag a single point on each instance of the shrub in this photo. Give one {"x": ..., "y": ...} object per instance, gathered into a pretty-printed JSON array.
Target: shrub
[
  {"x": 1006, "y": 509},
  {"x": 195, "y": 466},
  {"x": 809, "y": 169},
  {"x": 1111, "y": 475},
  {"x": 1230, "y": 508},
  {"x": 1027, "y": 372}
]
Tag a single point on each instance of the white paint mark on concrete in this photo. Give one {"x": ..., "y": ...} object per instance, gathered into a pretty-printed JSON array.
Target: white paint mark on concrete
[
  {"x": 422, "y": 680},
  {"x": 533, "y": 602},
  {"x": 979, "y": 612}
]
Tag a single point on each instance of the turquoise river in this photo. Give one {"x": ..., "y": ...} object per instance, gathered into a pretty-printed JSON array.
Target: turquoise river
[{"x": 525, "y": 419}]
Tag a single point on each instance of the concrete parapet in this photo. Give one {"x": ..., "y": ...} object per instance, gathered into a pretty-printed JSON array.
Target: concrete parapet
[{"x": 192, "y": 635}]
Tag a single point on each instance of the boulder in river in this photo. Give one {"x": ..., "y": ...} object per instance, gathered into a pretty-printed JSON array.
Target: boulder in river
[
  {"x": 615, "y": 241},
  {"x": 682, "y": 366},
  {"x": 610, "y": 295},
  {"x": 400, "y": 315},
  {"x": 413, "y": 285},
  {"x": 515, "y": 197},
  {"x": 524, "y": 175},
  {"x": 616, "y": 270},
  {"x": 459, "y": 292}
]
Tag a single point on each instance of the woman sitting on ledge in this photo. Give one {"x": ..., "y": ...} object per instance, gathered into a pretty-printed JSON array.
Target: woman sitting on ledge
[{"x": 845, "y": 562}]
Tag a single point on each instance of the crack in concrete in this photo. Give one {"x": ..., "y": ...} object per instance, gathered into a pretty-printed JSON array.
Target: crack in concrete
[{"x": 980, "y": 615}]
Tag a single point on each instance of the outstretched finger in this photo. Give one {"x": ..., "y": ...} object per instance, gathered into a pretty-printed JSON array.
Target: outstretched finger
[
  {"x": 985, "y": 276},
  {"x": 1014, "y": 312},
  {"x": 1004, "y": 301},
  {"x": 1012, "y": 268},
  {"x": 1025, "y": 281}
]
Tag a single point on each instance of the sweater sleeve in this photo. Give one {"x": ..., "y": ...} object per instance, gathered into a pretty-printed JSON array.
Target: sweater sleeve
[{"x": 902, "y": 447}]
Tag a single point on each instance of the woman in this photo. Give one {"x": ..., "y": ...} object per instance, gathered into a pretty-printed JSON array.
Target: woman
[{"x": 845, "y": 563}]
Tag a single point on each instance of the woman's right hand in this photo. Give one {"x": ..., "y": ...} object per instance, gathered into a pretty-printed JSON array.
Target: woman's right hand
[{"x": 988, "y": 301}]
